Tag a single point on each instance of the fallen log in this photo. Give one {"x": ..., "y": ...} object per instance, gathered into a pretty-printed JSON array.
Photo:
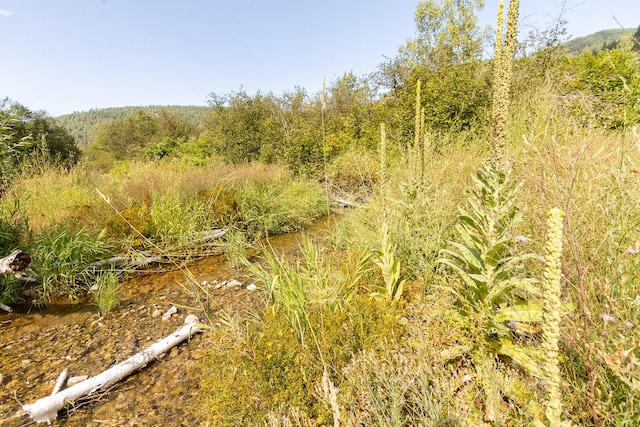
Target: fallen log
[
  {"x": 344, "y": 203},
  {"x": 46, "y": 409},
  {"x": 121, "y": 261},
  {"x": 15, "y": 262}
]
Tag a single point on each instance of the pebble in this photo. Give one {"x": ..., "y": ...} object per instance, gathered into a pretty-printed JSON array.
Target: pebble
[
  {"x": 252, "y": 287},
  {"x": 173, "y": 310},
  {"x": 192, "y": 318},
  {"x": 234, "y": 283},
  {"x": 157, "y": 312}
]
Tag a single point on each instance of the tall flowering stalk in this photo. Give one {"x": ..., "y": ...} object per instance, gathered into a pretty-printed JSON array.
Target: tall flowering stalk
[
  {"x": 384, "y": 256},
  {"x": 551, "y": 314},
  {"x": 323, "y": 106},
  {"x": 383, "y": 165},
  {"x": 502, "y": 76}
]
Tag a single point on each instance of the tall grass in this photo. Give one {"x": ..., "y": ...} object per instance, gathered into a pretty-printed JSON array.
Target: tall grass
[
  {"x": 61, "y": 258},
  {"x": 167, "y": 206}
]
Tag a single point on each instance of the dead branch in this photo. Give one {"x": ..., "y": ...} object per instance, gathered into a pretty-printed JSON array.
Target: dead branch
[{"x": 46, "y": 409}]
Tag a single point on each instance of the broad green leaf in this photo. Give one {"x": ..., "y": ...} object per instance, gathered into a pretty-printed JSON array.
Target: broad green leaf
[
  {"x": 526, "y": 357},
  {"x": 471, "y": 256},
  {"x": 461, "y": 273},
  {"x": 525, "y": 311},
  {"x": 399, "y": 289}
]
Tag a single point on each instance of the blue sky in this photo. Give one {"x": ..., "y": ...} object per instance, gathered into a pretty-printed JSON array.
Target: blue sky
[{"x": 63, "y": 56}]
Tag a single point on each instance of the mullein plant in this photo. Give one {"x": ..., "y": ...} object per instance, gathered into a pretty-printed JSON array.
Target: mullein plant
[
  {"x": 495, "y": 296},
  {"x": 384, "y": 256},
  {"x": 416, "y": 151}
]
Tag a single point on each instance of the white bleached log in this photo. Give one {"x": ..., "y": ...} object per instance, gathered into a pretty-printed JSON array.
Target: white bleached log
[
  {"x": 214, "y": 234},
  {"x": 46, "y": 409},
  {"x": 15, "y": 262},
  {"x": 121, "y": 261},
  {"x": 346, "y": 203}
]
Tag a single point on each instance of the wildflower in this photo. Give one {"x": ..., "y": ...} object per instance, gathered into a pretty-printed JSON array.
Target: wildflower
[
  {"x": 512, "y": 324},
  {"x": 522, "y": 239},
  {"x": 607, "y": 318},
  {"x": 466, "y": 379},
  {"x": 543, "y": 383},
  {"x": 629, "y": 324}
]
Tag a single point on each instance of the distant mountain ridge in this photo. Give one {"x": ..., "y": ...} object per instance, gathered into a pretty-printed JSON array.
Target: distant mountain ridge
[
  {"x": 81, "y": 125},
  {"x": 593, "y": 43}
]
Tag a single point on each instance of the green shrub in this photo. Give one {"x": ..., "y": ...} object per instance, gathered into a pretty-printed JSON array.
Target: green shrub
[{"x": 609, "y": 83}]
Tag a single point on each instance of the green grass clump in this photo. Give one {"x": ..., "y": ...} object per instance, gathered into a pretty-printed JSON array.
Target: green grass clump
[
  {"x": 61, "y": 258},
  {"x": 105, "y": 291},
  {"x": 279, "y": 206}
]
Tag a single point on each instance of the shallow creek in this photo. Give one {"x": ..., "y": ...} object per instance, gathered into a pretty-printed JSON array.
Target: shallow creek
[{"x": 36, "y": 345}]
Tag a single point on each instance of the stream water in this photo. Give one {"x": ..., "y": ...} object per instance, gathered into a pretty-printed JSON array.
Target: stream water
[{"x": 37, "y": 344}]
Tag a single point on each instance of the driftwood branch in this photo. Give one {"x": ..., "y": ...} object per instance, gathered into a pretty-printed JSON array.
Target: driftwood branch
[
  {"x": 344, "y": 203},
  {"x": 121, "y": 261},
  {"x": 14, "y": 263},
  {"x": 60, "y": 382},
  {"x": 46, "y": 409}
]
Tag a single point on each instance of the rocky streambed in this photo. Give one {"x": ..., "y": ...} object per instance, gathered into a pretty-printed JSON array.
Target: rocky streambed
[{"x": 36, "y": 345}]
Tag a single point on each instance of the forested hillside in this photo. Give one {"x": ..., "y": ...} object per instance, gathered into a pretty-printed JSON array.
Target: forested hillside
[
  {"x": 602, "y": 40},
  {"x": 81, "y": 125}
]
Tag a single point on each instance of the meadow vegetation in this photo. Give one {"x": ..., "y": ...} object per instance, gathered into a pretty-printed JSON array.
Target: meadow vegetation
[{"x": 489, "y": 275}]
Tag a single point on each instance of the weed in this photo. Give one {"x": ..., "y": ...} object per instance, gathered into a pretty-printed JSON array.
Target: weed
[
  {"x": 105, "y": 291},
  {"x": 235, "y": 248}
]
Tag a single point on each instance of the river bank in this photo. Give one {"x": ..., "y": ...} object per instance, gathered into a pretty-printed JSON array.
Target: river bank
[{"x": 37, "y": 344}]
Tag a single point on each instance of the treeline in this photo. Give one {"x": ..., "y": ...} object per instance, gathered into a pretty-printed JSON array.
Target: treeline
[
  {"x": 82, "y": 124},
  {"x": 306, "y": 132},
  {"x": 30, "y": 140}
]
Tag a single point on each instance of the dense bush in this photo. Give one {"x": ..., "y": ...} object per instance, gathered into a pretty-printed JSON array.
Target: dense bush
[
  {"x": 30, "y": 140},
  {"x": 605, "y": 87}
]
